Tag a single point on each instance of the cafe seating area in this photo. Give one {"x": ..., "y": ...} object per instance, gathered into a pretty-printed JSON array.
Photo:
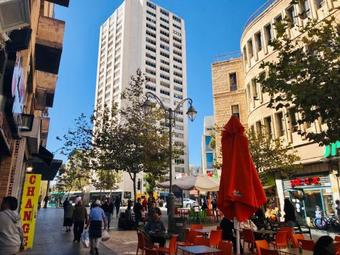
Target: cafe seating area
[{"x": 201, "y": 240}]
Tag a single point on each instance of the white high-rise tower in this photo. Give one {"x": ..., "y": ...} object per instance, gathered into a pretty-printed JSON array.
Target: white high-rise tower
[{"x": 140, "y": 34}]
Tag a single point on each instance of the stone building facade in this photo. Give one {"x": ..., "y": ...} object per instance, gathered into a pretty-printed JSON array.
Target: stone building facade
[
  {"x": 31, "y": 41},
  {"x": 229, "y": 95}
]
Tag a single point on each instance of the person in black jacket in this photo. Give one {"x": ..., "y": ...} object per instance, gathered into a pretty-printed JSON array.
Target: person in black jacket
[
  {"x": 108, "y": 210},
  {"x": 227, "y": 227},
  {"x": 137, "y": 209},
  {"x": 79, "y": 219},
  {"x": 290, "y": 218}
]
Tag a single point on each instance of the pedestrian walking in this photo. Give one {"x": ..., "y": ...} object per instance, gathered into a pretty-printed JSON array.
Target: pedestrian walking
[
  {"x": 337, "y": 208},
  {"x": 108, "y": 210},
  {"x": 117, "y": 205},
  {"x": 68, "y": 214},
  {"x": 11, "y": 234},
  {"x": 96, "y": 220},
  {"x": 137, "y": 209},
  {"x": 46, "y": 201},
  {"x": 145, "y": 204},
  {"x": 79, "y": 219},
  {"x": 290, "y": 218}
]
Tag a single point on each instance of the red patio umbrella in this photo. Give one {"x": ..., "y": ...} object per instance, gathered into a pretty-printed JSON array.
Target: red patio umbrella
[{"x": 241, "y": 192}]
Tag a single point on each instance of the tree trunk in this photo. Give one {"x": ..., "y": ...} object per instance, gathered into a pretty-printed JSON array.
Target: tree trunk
[{"x": 134, "y": 187}]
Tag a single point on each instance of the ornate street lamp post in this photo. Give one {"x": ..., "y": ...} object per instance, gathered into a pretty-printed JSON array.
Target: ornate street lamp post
[{"x": 171, "y": 117}]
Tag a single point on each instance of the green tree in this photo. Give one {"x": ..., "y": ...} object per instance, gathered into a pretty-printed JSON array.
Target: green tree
[
  {"x": 272, "y": 158},
  {"x": 73, "y": 175},
  {"x": 106, "y": 179},
  {"x": 306, "y": 74},
  {"x": 142, "y": 141}
]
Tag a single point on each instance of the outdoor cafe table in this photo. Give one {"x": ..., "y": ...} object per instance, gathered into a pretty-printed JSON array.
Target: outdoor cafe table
[
  {"x": 204, "y": 231},
  {"x": 198, "y": 249},
  {"x": 294, "y": 251}
]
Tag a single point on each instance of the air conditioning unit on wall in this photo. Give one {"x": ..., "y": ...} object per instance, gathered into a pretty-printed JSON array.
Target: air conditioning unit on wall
[{"x": 14, "y": 14}]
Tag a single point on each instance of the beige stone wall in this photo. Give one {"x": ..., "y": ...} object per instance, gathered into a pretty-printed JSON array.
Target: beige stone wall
[
  {"x": 257, "y": 101},
  {"x": 224, "y": 98}
]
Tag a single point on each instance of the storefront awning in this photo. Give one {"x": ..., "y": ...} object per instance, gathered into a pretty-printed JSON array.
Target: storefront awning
[{"x": 48, "y": 172}]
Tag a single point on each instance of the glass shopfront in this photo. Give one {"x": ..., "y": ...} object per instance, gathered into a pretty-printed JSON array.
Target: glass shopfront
[{"x": 310, "y": 195}]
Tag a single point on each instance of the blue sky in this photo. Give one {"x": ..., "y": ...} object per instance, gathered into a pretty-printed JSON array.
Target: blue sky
[{"x": 213, "y": 28}]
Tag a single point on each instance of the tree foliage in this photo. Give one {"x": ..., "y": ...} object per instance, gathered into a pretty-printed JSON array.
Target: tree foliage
[
  {"x": 73, "y": 175},
  {"x": 106, "y": 179},
  {"x": 272, "y": 158},
  {"x": 306, "y": 75}
]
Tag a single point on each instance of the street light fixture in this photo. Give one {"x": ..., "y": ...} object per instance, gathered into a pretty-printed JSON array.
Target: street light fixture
[{"x": 171, "y": 117}]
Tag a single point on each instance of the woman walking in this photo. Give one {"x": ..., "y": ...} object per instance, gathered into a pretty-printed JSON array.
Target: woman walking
[
  {"x": 79, "y": 218},
  {"x": 97, "y": 216},
  {"x": 68, "y": 215}
]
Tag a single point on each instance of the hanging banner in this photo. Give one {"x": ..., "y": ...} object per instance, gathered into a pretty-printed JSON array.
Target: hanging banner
[{"x": 29, "y": 207}]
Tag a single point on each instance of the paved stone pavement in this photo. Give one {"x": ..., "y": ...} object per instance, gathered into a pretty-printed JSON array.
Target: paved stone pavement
[{"x": 51, "y": 238}]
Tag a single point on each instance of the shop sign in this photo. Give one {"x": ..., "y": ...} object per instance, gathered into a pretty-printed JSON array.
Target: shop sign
[
  {"x": 331, "y": 150},
  {"x": 305, "y": 181},
  {"x": 18, "y": 88},
  {"x": 29, "y": 207}
]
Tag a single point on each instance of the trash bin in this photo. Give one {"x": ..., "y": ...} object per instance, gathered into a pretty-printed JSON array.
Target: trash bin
[{"x": 178, "y": 227}]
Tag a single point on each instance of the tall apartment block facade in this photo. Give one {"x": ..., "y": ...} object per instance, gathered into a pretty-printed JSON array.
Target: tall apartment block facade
[
  {"x": 317, "y": 182},
  {"x": 140, "y": 34},
  {"x": 31, "y": 43},
  {"x": 207, "y": 150}
]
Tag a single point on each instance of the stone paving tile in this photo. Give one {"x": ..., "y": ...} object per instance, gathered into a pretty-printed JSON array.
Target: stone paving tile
[{"x": 51, "y": 238}]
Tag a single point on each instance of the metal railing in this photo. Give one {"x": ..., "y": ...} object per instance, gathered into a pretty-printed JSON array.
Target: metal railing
[
  {"x": 261, "y": 9},
  {"x": 228, "y": 56}
]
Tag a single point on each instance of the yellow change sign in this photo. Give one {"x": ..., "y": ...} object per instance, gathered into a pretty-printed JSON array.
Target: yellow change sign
[{"x": 29, "y": 207}]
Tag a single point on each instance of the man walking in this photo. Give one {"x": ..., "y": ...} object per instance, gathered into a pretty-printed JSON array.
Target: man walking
[
  {"x": 137, "y": 209},
  {"x": 11, "y": 234},
  {"x": 108, "y": 210},
  {"x": 117, "y": 205},
  {"x": 79, "y": 219}
]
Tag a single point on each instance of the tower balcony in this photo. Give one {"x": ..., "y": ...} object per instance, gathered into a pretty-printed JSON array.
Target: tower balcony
[{"x": 49, "y": 44}]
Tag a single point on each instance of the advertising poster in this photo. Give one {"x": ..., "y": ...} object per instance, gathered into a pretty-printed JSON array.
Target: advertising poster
[{"x": 29, "y": 207}]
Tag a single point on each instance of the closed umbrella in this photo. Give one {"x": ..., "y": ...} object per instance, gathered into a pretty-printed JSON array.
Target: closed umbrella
[{"x": 240, "y": 193}]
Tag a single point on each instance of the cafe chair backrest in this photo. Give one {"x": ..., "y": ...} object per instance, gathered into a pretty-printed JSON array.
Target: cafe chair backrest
[
  {"x": 196, "y": 226},
  {"x": 281, "y": 238},
  {"x": 226, "y": 247},
  {"x": 191, "y": 236},
  {"x": 337, "y": 239},
  {"x": 261, "y": 244},
  {"x": 215, "y": 237},
  {"x": 296, "y": 238},
  {"x": 307, "y": 244},
  {"x": 141, "y": 241},
  {"x": 269, "y": 252},
  {"x": 173, "y": 245},
  {"x": 200, "y": 240},
  {"x": 149, "y": 251}
]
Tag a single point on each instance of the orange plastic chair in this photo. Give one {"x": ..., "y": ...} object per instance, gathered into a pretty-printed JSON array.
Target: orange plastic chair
[
  {"x": 289, "y": 230},
  {"x": 249, "y": 238},
  {"x": 296, "y": 238},
  {"x": 215, "y": 238},
  {"x": 261, "y": 244},
  {"x": 337, "y": 239},
  {"x": 200, "y": 240},
  {"x": 337, "y": 246},
  {"x": 226, "y": 247},
  {"x": 268, "y": 252},
  {"x": 281, "y": 239},
  {"x": 172, "y": 249},
  {"x": 196, "y": 226},
  {"x": 307, "y": 244},
  {"x": 149, "y": 251},
  {"x": 141, "y": 243}
]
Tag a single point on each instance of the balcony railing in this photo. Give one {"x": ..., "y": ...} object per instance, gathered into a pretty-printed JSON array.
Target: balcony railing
[
  {"x": 260, "y": 10},
  {"x": 227, "y": 57}
]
